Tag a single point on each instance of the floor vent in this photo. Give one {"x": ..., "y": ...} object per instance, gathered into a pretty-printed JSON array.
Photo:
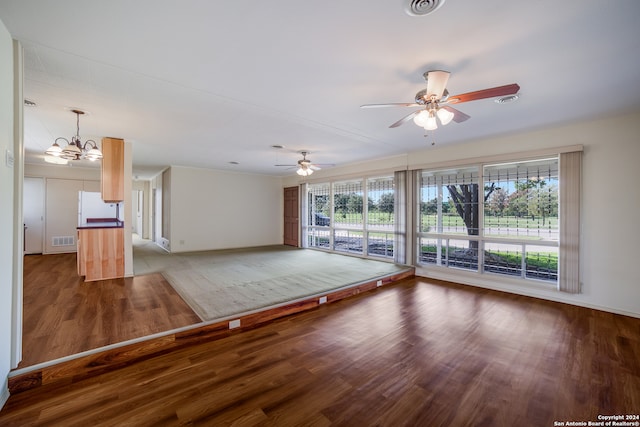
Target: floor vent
[{"x": 63, "y": 241}]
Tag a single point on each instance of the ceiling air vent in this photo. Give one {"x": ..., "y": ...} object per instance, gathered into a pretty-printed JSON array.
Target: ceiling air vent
[
  {"x": 422, "y": 7},
  {"x": 506, "y": 99}
]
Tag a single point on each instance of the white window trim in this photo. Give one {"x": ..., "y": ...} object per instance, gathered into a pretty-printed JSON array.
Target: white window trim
[
  {"x": 365, "y": 229},
  {"x": 448, "y": 273}
]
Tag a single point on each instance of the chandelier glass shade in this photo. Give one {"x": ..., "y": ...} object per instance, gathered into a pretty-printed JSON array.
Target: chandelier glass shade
[{"x": 75, "y": 149}]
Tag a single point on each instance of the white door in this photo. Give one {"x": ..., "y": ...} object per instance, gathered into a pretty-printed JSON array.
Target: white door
[
  {"x": 136, "y": 210},
  {"x": 153, "y": 215},
  {"x": 140, "y": 208},
  {"x": 33, "y": 215}
]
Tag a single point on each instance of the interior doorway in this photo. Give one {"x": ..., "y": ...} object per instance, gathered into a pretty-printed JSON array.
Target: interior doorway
[
  {"x": 33, "y": 215},
  {"x": 154, "y": 214},
  {"x": 291, "y": 217},
  {"x": 137, "y": 198}
]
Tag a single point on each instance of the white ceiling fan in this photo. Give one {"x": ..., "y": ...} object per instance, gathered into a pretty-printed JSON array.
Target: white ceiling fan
[
  {"x": 436, "y": 101},
  {"x": 305, "y": 167}
]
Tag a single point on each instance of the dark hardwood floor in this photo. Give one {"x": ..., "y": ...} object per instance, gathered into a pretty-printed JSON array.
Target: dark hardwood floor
[
  {"x": 63, "y": 315},
  {"x": 417, "y": 353}
]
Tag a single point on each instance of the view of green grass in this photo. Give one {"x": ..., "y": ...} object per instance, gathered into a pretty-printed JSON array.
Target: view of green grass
[
  {"x": 381, "y": 236},
  {"x": 451, "y": 220},
  {"x": 547, "y": 261},
  {"x": 375, "y": 218},
  {"x": 541, "y": 260},
  {"x": 513, "y": 221},
  {"x": 455, "y": 220}
]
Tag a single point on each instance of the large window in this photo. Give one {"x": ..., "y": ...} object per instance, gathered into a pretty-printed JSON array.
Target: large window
[
  {"x": 498, "y": 218},
  {"x": 348, "y": 221},
  {"x": 319, "y": 209},
  {"x": 516, "y": 219},
  {"x": 380, "y": 216},
  {"x": 449, "y": 218},
  {"x": 521, "y": 219},
  {"x": 353, "y": 216}
]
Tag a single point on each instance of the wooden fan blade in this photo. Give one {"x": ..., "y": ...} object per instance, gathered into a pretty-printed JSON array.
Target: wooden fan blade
[
  {"x": 290, "y": 166},
  {"x": 437, "y": 83},
  {"x": 405, "y": 119},
  {"x": 395, "y": 104},
  {"x": 458, "y": 116},
  {"x": 485, "y": 93}
]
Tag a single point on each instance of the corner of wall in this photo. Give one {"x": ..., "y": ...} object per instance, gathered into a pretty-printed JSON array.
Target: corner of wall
[
  {"x": 128, "y": 214},
  {"x": 9, "y": 84},
  {"x": 4, "y": 393}
]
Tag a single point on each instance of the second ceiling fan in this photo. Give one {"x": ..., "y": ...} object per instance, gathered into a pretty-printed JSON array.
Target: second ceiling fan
[
  {"x": 436, "y": 101},
  {"x": 305, "y": 167}
]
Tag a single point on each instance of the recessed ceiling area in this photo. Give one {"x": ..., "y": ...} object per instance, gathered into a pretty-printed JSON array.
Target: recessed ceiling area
[{"x": 220, "y": 84}]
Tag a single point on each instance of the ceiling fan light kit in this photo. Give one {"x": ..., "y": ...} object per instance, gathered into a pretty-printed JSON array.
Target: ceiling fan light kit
[
  {"x": 427, "y": 118},
  {"x": 436, "y": 102},
  {"x": 75, "y": 150},
  {"x": 304, "y": 170}
]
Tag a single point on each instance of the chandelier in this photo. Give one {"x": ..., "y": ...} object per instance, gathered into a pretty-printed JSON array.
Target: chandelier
[{"x": 75, "y": 150}]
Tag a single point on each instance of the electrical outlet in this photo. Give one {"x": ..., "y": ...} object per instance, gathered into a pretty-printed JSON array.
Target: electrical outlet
[
  {"x": 234, "y": 324},
  {"x": 322, "y": 300},
  {"x": 379, "y": 283}
]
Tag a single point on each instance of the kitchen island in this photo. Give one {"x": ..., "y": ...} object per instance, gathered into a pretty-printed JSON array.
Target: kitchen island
[{"x": 101, "y": 249}]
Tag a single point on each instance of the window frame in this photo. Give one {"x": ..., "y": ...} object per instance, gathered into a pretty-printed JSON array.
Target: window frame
[
  {"x": 407, "y": 233},
  {"x": 482, "y": 240},
  {"x": 311, "y": 231}
]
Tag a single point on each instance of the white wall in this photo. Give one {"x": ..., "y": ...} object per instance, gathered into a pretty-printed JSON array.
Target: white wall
[
  {"x": 7, "y": 219},
  {"x": 61, "y": 213},
  {"x": 610, "y": 205},
  {"x": 48, "y": 170},
  {"x": 62, "y": 184},
  {"x": 220, "y": 210}
]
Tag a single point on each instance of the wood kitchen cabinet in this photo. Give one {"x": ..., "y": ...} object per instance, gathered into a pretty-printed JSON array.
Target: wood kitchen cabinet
[
  {"x": 100, "y": 253},
  {"x": 112, "y": 180}
]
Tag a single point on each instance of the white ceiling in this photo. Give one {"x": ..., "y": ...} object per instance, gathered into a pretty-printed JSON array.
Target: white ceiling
[{"x": 203, "y": 83}]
